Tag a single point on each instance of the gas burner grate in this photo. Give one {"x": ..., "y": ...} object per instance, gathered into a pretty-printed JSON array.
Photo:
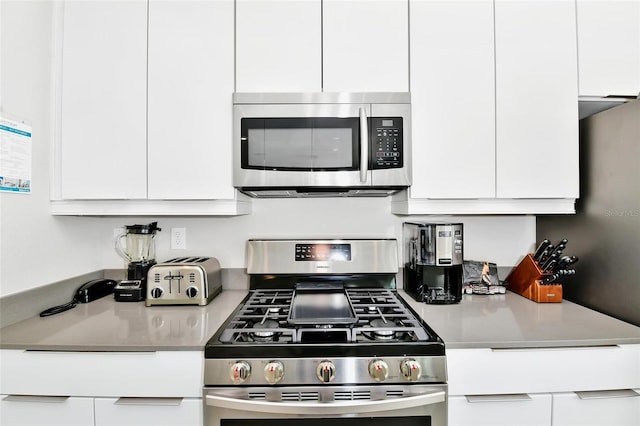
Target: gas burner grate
[{"x": 380, "y": 317}]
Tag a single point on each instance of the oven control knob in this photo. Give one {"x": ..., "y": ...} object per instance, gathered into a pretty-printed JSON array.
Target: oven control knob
[
  {"x": 326, "y": 371},
  {"x": 240, "y": 372},
  {"x": 156, "y": 292},
  {"x": 273, "y": 372},
  {"x": 378, "y": 370},
  {"x": 410, "y": 369}
]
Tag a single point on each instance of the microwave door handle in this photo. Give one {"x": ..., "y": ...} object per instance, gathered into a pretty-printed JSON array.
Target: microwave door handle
[{"x": 364, "y": 145}]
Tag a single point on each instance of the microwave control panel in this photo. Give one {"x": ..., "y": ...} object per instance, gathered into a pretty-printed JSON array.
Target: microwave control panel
[{"x": 386, "y": 138}]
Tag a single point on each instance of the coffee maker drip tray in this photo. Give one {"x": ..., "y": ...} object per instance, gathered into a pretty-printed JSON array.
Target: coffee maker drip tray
[{"x": 434, "y": 284}]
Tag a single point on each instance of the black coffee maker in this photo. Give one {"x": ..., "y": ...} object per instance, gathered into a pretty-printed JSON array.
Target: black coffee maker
[
  {"x": 433, "y": 257},
  {"x": 140, "y": 251}
]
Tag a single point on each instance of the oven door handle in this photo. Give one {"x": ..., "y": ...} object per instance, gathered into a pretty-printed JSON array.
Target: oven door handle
[
  {"x": 328, "y": 408},
  {"x": 364, "y": 145}
]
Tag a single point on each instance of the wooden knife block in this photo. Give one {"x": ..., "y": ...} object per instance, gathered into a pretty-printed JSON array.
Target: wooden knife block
[{"x": 525, "y": 280}]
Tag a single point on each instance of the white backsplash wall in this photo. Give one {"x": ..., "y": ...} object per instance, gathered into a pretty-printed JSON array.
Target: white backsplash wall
[{"x": 499, "y": 239}]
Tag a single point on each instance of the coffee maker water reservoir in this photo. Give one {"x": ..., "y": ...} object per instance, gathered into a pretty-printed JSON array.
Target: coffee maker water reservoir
[{"x": 433, "y": 257}]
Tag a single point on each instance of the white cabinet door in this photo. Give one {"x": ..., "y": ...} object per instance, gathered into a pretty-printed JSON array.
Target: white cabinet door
[
  {"x": 148, "y": 411},
  {"x": 102, "y": 373},
  {"x": 536, "y": 99},
  {"x": 278, "y": 46},
  {"x": 190, "y": 82},
  {"x": 31, "y": 410},
  {"x": 452, "y": 99},
  {"x": 365, "y": 45},
  {"x": 104, "y": 105},
  {"x": 609, "y": 47},
  {"x": 619, "y": 408},
  {"x": 500, "y": 410}
]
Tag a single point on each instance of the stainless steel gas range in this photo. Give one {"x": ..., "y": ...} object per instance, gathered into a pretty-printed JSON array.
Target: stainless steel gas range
[{"x": 323, "y": 335}]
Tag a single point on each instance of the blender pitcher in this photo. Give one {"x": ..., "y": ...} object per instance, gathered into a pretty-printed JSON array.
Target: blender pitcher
[{"x": 139, "y": 249}]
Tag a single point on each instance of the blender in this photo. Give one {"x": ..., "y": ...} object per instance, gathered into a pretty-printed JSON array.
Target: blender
[{"x": 139, "y": 251}]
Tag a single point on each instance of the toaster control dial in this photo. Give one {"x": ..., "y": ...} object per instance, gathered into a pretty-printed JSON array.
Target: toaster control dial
[
  {"x": 192, "y": 291},
  {"x": 378, "y": 370},
  {"x": 326, "y": 371},
  {"x": 156, "y": 292},
  {"x": 273, "y": 372},
  {"x": 410, "y": 369},
  {"x": 240, "y": 372}
]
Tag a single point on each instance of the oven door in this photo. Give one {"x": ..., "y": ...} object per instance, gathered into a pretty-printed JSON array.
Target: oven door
[
  {"x": 410, "y": 405},
  {"x": 309, "y": 145}
]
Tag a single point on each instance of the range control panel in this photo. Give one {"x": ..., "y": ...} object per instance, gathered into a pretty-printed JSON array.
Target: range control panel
[{"x": 386, "y": 138}]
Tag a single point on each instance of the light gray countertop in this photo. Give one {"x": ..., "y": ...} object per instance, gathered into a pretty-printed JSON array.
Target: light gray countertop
[
  {"x": 479, "y": 321},
  {"x": 107, "y": 325},
  {"x": 512, "y": 321}
]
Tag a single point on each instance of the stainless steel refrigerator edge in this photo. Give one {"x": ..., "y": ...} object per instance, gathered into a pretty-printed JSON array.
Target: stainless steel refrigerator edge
[{"x": 605, "y": 232}]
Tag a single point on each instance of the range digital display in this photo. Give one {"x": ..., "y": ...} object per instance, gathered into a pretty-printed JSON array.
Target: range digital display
[{"x": 323, "y": 252}]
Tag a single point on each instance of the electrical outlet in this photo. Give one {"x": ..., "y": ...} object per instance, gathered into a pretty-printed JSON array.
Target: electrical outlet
[{"x": 178, "y": 238}]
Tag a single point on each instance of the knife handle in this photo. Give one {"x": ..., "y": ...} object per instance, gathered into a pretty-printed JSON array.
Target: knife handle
[
  {"x": 545, "y": 254},
  {"x": 549, "y": 266},
  {"x": 541, "y": 248},
  {"x": 552, "y": 258}
]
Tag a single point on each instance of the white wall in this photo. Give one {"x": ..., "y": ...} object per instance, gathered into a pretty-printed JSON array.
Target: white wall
[{"x": 37, "y": 249}]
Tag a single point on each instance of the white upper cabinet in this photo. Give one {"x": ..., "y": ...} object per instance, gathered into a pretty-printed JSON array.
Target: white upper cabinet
[
  {"x": 330, "y": 46},
  {"x": 144, "y": 91},
  {"x": 104, "y": 100},
  {"x": 190, "y": 82},
  {"x": 453, "y": 99},
  {"x": 536, "y": 99},
  {"x": 609, "y": 47},
  {"x": 278, "y": 46},
  {"x": 494, "y": 106},
  {"x": 365, "y": 46}
]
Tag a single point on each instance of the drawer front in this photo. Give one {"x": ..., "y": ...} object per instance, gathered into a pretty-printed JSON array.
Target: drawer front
[
  {"x": 152, "y": 374},
  {"x": 500, "y": 410},
  {"x": 504, "y": 371},
  {"x": 148, "y": 411},
  {"x": 18, "y": 410},
  {"x": 620, "y": 408}
]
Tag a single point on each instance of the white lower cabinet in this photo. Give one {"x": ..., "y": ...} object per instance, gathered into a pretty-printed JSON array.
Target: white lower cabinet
[
  {"x": 31, "y": 410},
  {"x": 49, "y": 388},
  {"x": 498, "y": 410},
  {"x": 559, "y": 386},
  {"x": 148, "y": 411},
  {"x": 614, "y": 408}
]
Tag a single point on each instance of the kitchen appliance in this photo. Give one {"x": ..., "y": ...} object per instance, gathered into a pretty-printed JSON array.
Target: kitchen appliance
[
  {"x": 140, "y": 251},
  {"x": 321, "y": 144},
  {"x": 605, "y": 230},
  {"x": 433, "y": 261},
  {"x": 184, "y": 281},
  {"x": 323, "y": 335},
  {"x": 87, "y": 292}
]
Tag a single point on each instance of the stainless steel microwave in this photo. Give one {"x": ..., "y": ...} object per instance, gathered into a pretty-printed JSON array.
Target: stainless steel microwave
[{"x": 321, "y": 144}]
